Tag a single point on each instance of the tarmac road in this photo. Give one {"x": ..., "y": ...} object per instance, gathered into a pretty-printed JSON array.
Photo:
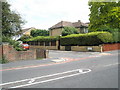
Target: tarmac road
[{"x": 65, "y": 69}]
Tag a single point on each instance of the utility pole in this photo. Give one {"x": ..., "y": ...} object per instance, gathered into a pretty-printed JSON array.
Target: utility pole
[{"x": 2, "y": 51}]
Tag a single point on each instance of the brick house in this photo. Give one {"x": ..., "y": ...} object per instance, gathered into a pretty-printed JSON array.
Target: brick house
[{"x": 56, "y": 30}]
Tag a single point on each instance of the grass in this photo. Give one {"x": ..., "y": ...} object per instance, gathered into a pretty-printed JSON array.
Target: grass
[{"x": 39, "y": 58}]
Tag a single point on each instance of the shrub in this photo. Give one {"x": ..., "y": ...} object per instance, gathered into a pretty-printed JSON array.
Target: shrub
[
  {"x": 88, "y": 39},
  {"x": 69, "y": 30},
  {"x": 14, "y": 43},
  {"x": 3, "y": 60},
  {"x": 116, "y": 37},
  {"x": 24, "y": 37},
  {"x": 39, "y": 32},
  {"x": 114, "y": 31}
]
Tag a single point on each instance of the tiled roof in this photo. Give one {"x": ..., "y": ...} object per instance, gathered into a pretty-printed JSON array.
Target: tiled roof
[{"x": 69, "y": 24}]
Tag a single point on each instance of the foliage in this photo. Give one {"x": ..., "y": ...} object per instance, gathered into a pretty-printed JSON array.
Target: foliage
[
  {"x": 69, "y": 30},
  {"x": 115, "y": 32},
  {"x": 14, "y": 43},
  {"x": 43, "y": 38},
  {"x": 11, "y": 21},
  {"x": 24, "y": 37},
  {"x": 116, "y": 37},
  {"x": 93, "y": 38},
  {"x": 3, "y": 60},
  {"x": 104, "y": 14},
  {"x": 39, "y": 32}
]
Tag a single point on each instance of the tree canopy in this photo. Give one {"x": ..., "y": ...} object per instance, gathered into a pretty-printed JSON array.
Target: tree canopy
[
  {"x": 69, "y": 30},
  {"x": 11, "y": 21},
  {"x": 39, "y": 32},
  {"x": 104, "y": 15}
]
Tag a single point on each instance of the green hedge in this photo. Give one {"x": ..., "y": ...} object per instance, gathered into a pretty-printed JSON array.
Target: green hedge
[
  {"x": 116, "y": 37},
  {"x": 88, "y": 39},
  {"x": 42, "y": 38}
]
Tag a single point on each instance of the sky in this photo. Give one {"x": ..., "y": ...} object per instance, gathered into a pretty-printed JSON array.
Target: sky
[{"x": 43, "y": 14}]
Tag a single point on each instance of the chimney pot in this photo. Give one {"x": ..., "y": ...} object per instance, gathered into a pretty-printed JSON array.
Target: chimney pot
[{"x": 79, "y": 20}]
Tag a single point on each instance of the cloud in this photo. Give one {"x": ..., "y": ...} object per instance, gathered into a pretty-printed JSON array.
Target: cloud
[{"x": 45, "y": 13}]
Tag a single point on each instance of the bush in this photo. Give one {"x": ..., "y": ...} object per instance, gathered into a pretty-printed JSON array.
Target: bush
[
  {"x": 14, "y": 43},
  {"x": 24, "y": 37},
  {"x": 3, "y": 60},
  {"x": 116, "y": 37},
  {"x": 114, "y": 31},
  {"x": 39, "y": 32},
  {"x": 69, "y": 30},
  {"x": 88, "y": 39}
]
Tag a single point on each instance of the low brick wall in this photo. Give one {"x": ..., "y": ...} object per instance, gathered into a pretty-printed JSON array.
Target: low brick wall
[
  {"x": 110, "y": 47},
  {"x": 62, "y": 48},
  {"x": 44, "y": 47},
  {"x": 12, "y": 55},
  {"x": 86, "y": 48},
  {"x": 100, "y": 48}
]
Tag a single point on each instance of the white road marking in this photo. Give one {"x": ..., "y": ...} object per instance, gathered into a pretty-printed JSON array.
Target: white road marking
[
  {"x": 51, "y": 79},
  {"x": 59, "y": 60},
  {"x": 38, "y": 77},
  {"x": 95, "y": 56},
  {"x": 31, "y": 80},
  {"x": 110, "y": 65},
  {"x": 99, "y": 55}
]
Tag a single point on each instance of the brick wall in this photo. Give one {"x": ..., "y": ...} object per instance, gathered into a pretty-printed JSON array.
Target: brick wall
[
  {"x": 12, "y": 55},
  {"x": 109, "y": 47},
  {"x": 85, "y": 48}
]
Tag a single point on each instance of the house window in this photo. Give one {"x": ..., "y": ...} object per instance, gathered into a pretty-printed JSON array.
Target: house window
[{"x": 84, "y": 30}]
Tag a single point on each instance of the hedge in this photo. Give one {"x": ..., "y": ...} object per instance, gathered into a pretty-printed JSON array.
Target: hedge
[
  {"x": 116, "y": 37},
  {"x": 42, "y": 38},
  {"x": 88, "y": 39}
]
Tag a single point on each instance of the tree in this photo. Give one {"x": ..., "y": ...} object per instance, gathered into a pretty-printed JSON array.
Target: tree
[
  {"x": 24, "y": 37},
  {"x": 39, "y": 32},
  {"x": 69, "y": 30},
  {"x": 11, "y": 21},
  {"x": 104, "y": 15}
]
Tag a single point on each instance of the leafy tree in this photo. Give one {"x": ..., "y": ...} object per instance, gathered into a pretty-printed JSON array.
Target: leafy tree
[
  {"x": 11, "y": 21},
  {"x": 69, "y": 30},
  {"x": 39, "y": 32},
  {"x": 24, "y": 37},
  {"x": 104, "y": 15}
]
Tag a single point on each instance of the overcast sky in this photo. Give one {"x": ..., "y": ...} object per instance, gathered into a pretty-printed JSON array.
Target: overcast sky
[{"x": 43, "y": 14}]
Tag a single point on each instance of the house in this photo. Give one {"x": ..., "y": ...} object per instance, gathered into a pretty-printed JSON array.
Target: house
[
  {"x": 56, "y": 30},
  {"x": 27, "y": 31},
  {"x": 24, "y": 32}
]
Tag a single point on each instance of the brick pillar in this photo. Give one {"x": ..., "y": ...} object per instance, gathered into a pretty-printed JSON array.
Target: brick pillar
[{"x": 5, "y": 50}]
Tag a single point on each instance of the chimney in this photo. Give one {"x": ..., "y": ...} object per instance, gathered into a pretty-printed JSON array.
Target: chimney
[{"x": 79, "y": 20}]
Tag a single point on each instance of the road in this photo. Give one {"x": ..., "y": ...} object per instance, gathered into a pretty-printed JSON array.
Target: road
[{"x": 65, "y": 69}]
